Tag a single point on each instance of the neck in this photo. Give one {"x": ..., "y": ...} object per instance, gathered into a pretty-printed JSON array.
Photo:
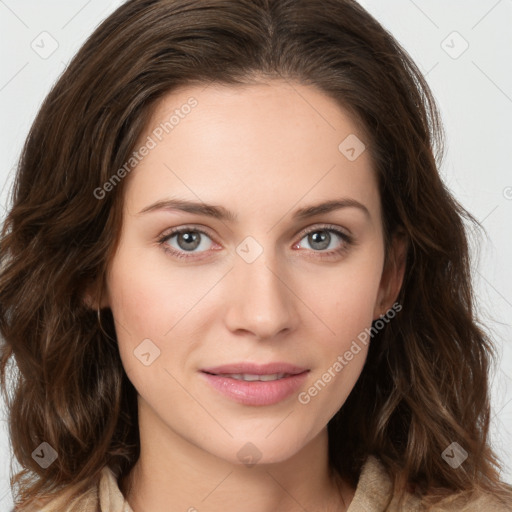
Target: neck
[{"x": 173, "y": 474}]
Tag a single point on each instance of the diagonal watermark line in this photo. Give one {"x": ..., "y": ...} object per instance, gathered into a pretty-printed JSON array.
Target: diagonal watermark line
[
  {"x": 301, "y": 300},
  {"x": 199, "y": 301},
  {"x": 485, "y": 15},
  {"x": 286, "y": 491},
  {"x": 217, "y": 486},
  {"x": 291, "y": 85},
  {"x": 492, "y": 81},
  {"x": 489, "y": 214},
  {"x": 199, "y": 403},
  {"x": 206, "y": 86},
  {"x": 497, "y": 291},
  {"x": 4, "y": 496},
  {"x": 283, "y": 216},
  {"x": 167, "y": 167},
  {"x": 4, "y": 4},
  {"x": 118, "y": 322},
  {"x": 267, "y": 266},
  {"x": 498, "y": 378},
  {"x": 76, "y": 14},
  {"x": 424, "y": 13},
  {"x": 432, "y": 68},
  {"x": 13, "y": 77},
  {"x": 500, "y": 409},
  {"x": 279, "y": 424}
]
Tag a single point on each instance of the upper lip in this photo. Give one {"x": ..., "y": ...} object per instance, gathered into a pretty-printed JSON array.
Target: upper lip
[{"x": 255, "y": 369}]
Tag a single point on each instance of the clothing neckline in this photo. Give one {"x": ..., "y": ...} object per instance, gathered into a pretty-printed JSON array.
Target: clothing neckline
[{"x": 372, "y": 493}]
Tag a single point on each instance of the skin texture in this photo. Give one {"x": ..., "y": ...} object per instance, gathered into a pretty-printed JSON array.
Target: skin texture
[{"x": 262, "y": 151}]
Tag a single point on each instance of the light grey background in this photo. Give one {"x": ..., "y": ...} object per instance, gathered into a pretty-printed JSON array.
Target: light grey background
[{"x": 473, "y": 89}]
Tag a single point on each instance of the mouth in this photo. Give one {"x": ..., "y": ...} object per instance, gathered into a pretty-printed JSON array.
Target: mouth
[
  {"x": 248, "y": 377},
  {"x": 256, "y": 384},
  {"x": 243, "y": 368}
]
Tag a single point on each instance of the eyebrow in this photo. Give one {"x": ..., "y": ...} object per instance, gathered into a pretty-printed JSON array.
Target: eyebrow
[{"x": 221, "y": 213}]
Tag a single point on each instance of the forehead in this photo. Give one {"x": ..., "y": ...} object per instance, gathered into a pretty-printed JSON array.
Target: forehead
[{"x": 251, "y": 146}]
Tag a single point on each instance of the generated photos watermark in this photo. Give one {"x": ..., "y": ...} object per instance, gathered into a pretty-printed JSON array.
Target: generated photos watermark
[
  {"x": 343, "y": 359},
  {"x": 151, "y": 143}
]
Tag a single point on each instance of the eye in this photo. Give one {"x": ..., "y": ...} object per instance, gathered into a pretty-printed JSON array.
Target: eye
[
  {"x": 187, "y": 240},
  {"x": 321, "y": 238},
  {"x": 182, "y": 242}
]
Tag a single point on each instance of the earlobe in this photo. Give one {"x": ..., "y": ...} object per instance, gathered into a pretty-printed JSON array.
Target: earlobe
[
  {"x": 95, "y": 297},
  {"x": 89, "y": 301},
  {"x": 392, "y": 275}
]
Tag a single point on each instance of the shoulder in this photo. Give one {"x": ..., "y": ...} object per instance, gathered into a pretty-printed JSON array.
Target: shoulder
[
  {"x": 70, "y": 499},
  {"x": 479, "y": 501},
  {"x": 109, "y": 494},
  {"x": 65, "y": 502},
  {"x": 374, "y": 493},
  {"x": 103, "y": 496}
]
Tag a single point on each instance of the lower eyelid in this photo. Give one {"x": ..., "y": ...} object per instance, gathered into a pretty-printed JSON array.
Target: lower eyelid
[
  {"x": 345, "y": 239},
  {"x": 164, "y": 239}
]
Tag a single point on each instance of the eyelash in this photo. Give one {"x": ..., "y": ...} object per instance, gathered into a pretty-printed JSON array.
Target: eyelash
[{"x": 346, "y": 239}]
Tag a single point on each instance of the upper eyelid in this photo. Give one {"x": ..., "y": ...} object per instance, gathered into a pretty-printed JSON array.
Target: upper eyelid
[
  {"x": 205, "y": 230},
  {"x": 302, "y": 233},
  {"x": 327, "y": 227}
]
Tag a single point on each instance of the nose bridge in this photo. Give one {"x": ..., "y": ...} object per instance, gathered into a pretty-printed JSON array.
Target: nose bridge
[{"x": 261, "y": 301}]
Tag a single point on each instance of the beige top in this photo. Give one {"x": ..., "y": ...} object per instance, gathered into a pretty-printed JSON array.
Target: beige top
[{"x": 373, "y": 494}]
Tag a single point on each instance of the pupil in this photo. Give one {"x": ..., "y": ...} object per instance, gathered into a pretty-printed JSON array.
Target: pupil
[
  {"x": 191, "y": 239},
  {"x": 188, "y": 238},
  {"x": 320, "y": 237}
]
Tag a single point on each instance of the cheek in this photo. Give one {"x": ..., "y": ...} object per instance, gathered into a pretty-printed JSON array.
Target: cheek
[
  {"x": 346, "y": 306},
  {"x": 141, "y": 309},
  {"x": 345, "y": 298},
  {"x": 136, "y": 304},
  {"x": 151, "y": 300},
  {"x": 147, "y": 297}
]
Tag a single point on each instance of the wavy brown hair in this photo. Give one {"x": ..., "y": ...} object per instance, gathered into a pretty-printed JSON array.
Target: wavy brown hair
[{"x": 425, "y": 382}]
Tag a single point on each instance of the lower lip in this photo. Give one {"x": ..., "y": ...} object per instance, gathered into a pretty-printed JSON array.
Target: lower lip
[{"x": 257, "y": 392}]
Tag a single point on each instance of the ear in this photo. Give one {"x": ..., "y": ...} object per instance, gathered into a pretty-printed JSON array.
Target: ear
[
  {"x": 95, "y": 297},
  {"x": 392, "y": 274}
]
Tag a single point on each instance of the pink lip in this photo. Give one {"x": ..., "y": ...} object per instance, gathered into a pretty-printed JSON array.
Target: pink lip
[
  {"x": 256, "y": 392},
  {"x": 255, "y": 369}
]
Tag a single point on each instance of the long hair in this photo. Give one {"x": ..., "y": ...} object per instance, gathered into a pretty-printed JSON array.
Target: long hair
[{"x": 425, "y": 382}]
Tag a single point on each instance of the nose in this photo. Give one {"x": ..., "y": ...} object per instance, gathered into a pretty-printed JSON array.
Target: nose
[{"x": 261, "y": 300}]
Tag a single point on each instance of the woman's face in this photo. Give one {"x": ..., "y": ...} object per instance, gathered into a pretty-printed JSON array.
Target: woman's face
[{"x": 231, "y": 330}]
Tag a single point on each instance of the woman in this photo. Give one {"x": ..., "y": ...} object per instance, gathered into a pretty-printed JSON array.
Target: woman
[{"x": 232, "y": 277}]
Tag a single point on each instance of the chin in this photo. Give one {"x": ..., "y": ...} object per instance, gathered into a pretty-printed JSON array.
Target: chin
[{"x": 252, "y": 450}]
